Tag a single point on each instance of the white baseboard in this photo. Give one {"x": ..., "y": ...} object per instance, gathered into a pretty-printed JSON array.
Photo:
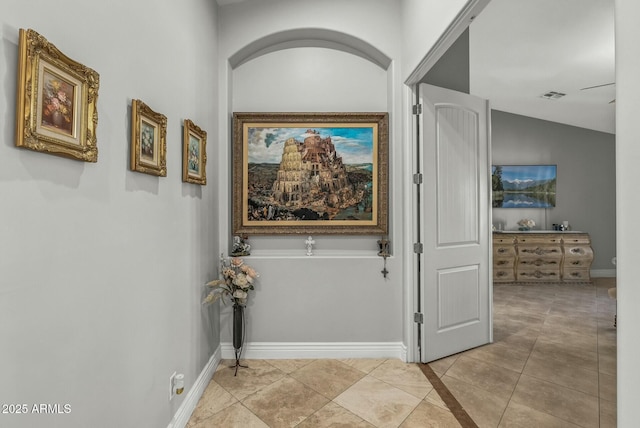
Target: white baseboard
[
  {"x": 182, "y": 416},
  {"x": 302, "y": 350},
  {"x": 603, "y": 273}
]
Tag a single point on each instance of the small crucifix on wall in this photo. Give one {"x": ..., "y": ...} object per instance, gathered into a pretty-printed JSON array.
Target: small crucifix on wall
[
  {"x": 309, "y": 242},
  {"x": 383, "y": 246}
]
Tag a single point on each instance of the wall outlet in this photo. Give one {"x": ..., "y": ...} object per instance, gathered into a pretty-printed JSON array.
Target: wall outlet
[{"x": 172, "y": 389}]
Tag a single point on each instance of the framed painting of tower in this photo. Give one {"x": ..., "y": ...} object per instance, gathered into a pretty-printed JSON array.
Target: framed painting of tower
[{"x": 310, "y": 173}]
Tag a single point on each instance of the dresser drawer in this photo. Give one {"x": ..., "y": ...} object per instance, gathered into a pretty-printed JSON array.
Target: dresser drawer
[
  {"x": 571, "y": 263},
  {"x": 504, "y": 238},
  {"x": 538, "y": 275},
  {"x": 578, "y": 251},
  {"x": 539, "y": 263},
  {"x": 571, "y": 274},
  {"x": 504, "y": 275},
  {"x": 504, "y": 251},
  {"x": 554, "y": 251},
  {"x": 503, "y": 263},
  {"x": 576, "y": 239},
  {"x": 539, "y": 239}
]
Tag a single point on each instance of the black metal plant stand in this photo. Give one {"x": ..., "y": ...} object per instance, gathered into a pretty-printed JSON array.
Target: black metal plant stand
[{"x": 238, "y": 335}]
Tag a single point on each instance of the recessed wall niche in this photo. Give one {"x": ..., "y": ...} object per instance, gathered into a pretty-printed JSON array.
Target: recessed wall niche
[{"x": 312, "y": 79}]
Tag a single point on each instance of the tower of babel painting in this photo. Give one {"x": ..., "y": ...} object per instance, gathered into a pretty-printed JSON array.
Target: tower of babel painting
[{"x": 312, "y": 175}]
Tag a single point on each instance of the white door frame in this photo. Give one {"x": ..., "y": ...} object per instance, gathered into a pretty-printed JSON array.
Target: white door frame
[{"x": 450, "y": 35}]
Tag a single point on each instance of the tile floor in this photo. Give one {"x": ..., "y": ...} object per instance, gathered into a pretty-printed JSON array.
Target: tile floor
[{"x": 552, "y": 364}]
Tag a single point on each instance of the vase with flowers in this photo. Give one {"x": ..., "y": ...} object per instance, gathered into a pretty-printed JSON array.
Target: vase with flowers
[
  {"x": 526, "y": 224},
  {"x": 58, "y": 106},
  {"x": 234, "y": 287}
]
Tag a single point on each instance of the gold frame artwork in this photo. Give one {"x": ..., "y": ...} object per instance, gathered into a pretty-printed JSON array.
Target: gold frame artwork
[
  {"x": 56, "y": 101},
  {"x": 148, "y": 140},
  {"x": 194, "y": 154},
  {"x": 310, "y": 173}
]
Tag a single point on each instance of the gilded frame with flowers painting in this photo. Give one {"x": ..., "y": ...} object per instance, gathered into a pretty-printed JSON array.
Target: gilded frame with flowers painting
[
  {"x": 148, "y": 140},
  {"x": 194, "y": 154},
  {"x": 56, "y": 101}
]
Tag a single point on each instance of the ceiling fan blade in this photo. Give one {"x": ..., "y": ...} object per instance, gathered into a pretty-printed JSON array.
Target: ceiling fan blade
[{"x": 598, "y": 86}]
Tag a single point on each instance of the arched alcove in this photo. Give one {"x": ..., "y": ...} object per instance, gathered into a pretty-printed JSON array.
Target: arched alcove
[
  {"x": 309, "y": 37},
  {"x": 317, "y": 70},
  {"x": 311, "y": 70}
]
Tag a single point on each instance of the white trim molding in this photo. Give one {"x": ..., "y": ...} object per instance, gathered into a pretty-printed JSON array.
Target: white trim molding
[
  {"x": 302, "y": 350},
  {"x": 310, "y": 37},
  {"x": 183, "y": 414},
  {"x": 460, "y": 23}
]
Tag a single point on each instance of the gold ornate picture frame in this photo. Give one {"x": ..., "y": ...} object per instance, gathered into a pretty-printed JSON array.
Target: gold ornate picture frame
[
  {"x": 194, "y": 154},
  {"x": 56, "y": 101},
  {"x": 148, "y": 140},
  {"x": 310, "y": 173}
]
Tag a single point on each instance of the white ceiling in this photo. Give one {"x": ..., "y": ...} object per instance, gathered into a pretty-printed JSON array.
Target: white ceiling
[{"x": 521, "y": 49}]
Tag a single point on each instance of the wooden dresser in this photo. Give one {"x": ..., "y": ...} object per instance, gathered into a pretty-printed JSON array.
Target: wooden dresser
[{"x": 542, "y": 256}]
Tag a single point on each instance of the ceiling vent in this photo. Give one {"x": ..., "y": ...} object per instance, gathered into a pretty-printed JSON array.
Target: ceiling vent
[{"x": 553, "y": 95}]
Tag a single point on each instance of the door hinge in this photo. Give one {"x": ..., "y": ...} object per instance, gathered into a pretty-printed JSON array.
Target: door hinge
[
  {"x": 417, "y": 178},
  {"x": 417, "y": 109},
  {"x": 418, "y": 318},
  {"x": 418, "y": 248}
]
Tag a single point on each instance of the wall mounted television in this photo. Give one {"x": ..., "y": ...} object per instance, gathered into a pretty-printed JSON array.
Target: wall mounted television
[{"x": 523, "y": 186}]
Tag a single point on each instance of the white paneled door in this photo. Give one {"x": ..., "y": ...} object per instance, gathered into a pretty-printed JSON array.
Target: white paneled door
[{"x": 456, "y": 295}]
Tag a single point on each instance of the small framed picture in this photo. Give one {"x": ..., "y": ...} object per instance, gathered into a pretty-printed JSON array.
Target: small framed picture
[
  {"x": 194, "y": 154},
  {"x": 56, "y": 102},
  {"x": 148, "y": 140}
]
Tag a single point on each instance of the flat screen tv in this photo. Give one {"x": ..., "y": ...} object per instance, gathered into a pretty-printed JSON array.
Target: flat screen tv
[{"x": 523, "y": 186}]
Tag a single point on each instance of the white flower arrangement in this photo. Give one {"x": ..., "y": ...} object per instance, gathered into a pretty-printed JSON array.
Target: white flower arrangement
[
  {"x": 526, "y": 224},
  {"x": 237, "y": 280}
]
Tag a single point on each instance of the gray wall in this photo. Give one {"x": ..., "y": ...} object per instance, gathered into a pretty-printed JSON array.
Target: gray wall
[
  {"x": 586, "y": 188},
  {"x": 452, "y": 69},
  {"x": 101, "y": 268}
]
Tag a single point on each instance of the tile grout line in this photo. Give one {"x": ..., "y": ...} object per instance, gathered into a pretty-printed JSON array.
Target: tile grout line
[
  {"x": 452, "y": 403},
  {"x": 519, "y": 377},
  {"x": 597, "y": 356},
  {"x": 533, "y": 346}
]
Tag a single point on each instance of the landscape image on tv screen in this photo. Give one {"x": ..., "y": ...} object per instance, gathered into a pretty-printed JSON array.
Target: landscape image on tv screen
[{"x": 523, "y": 186}]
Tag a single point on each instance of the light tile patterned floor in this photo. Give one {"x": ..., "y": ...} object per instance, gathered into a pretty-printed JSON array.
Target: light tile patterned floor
[{"x": 552, "y": 364}]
